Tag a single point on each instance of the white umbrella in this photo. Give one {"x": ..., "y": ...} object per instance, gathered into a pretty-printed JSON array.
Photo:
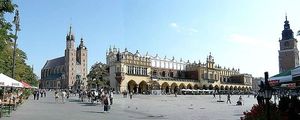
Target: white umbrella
[{"x": 6, "y": 81}]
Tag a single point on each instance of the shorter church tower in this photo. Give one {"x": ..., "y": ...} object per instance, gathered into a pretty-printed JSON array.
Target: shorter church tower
[
  {"x": 81, "y": 57},
  {"x": 288, "y": 53}
]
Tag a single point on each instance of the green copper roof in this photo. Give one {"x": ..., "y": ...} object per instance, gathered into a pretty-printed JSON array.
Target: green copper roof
[{"x": 286, "y": 73}]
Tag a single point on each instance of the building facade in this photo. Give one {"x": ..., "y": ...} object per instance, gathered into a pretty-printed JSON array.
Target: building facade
[
  {"x": 68, "y": 71},
  {"x": 288, "y": 53},
  {"x": 142, "y": 73}
]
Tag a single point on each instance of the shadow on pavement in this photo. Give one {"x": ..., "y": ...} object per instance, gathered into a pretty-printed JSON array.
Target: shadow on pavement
[{"x": 93, "y": 111}]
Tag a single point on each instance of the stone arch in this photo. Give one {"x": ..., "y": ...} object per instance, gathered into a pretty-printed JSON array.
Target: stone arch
[
  {"x": 243, "y": 89},
  {"x": 132, "y": 86},
  {"x": 189, "y": 86},
  {"x": 155, "y": 85},
  {"x": 230, "y": 88},
  {"x": 234, "y": 88},
  {"x": 249, "y": 88},
  {"x": 210, "y": 87},
  {"x": 143, "y": 87},
  {"x": 226, "y": 88},
  {"x": 222, "y": 87},
  {"x": 181, "y": 86},
  {"x": 204, "y": 87},
  {"x": 216, "y": 87},
  {"x": 239, "y": 88},
  {"x": 196, "y": 86},
  {"x": 165, "y": 87},
  {"x": 174, "y": 87}
]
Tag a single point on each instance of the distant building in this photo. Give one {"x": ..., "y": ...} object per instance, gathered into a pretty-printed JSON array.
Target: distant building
[
  {"x": 142, "y": 73},
  {"x": 68, "y": 71},
  {"x": 256, "y": 83},
  {"x": 288, "y": 53}
]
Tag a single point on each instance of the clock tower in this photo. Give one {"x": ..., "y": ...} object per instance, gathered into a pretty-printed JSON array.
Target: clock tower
[{"x": 288, "y": 53}]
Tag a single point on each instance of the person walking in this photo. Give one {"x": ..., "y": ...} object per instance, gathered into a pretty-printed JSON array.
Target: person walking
[
  {"x": 111, "y": 96},
  {"x": 44, "y": 91},
  {"x": 37, "y": 94},
  {"x": 34, "y": 95},
  {"x": 41, "y": 92},
  {"x": 56, "y": 96},
  {"x": 106, "y": 103},
  {"x": 130, "y": 95},
  {"x": 228, "y": 98},
  {"x": 63, "y": 95}
]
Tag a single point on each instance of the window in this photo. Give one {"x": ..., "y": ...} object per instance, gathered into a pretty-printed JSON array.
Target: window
[{"x": 163, "y": 73}]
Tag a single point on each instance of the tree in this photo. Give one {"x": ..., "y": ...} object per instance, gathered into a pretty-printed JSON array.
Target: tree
[
  {"x": 23, "y": 71},
  {"x": 97, "y": 75}
]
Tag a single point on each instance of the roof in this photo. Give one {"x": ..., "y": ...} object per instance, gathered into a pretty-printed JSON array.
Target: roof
[
  {"x": 286, "y": 73},
  {"x": 54, "y": 62}
]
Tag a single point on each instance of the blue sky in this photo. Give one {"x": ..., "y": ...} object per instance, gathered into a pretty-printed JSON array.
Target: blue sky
[{"x": 239, "y": 34}]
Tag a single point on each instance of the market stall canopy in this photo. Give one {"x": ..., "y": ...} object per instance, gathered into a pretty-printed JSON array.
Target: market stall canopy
[
  {"x": 6, "y": 81},
  {"x": 26, "y": 85},
  {"x": 282, "y": 77}
]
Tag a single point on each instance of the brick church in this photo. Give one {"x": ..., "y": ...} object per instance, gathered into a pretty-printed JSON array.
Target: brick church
[{"x": 68, "y": 71}]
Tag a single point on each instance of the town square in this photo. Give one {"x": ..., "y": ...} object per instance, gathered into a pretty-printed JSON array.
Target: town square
[{"x": 132, "y": 60}]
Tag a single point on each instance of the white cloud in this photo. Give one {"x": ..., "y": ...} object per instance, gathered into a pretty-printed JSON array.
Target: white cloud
[
  {"x": 183, "y": 29},
  {"x": 193, "y": 30},
  {"x": 251, "y": 41},
  {"x": 174, "y": 25}
]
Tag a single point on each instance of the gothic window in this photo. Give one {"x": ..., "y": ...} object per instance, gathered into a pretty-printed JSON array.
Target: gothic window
[{"x": 171, "y": 74}]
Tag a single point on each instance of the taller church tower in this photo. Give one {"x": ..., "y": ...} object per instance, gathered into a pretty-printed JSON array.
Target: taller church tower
[
  {"x": 288, "y": 53},
  {"x": 70, "y": 61}
]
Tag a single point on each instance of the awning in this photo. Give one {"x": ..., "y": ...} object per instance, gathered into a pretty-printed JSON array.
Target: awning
[
  {"x": 26, "y": 85},
  {"x": 282, "y": 79},
  {"x": 9, "y": 82}
]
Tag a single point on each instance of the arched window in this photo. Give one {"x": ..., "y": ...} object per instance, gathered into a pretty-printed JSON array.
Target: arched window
[{"x": 163, "y": 74}]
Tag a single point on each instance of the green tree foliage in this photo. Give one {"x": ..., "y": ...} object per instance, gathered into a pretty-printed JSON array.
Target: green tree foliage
[
  {"x": 97, "y": 74},
  {"x": 23, "y": 71}
]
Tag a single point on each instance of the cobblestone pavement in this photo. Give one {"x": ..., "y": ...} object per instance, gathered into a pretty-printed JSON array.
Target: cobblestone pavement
[{"x": 141, "y": 107}]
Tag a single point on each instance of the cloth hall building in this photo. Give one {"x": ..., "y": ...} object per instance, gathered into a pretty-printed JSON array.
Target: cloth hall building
[{"x": 138, "y": 73}]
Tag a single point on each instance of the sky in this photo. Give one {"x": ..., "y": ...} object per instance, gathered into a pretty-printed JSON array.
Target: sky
[{"x": 239, "y": 34}]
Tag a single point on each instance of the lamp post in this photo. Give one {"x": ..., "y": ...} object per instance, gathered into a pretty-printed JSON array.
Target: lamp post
[
  {"x": 17, "y": 24},
  {"x": 267, "y": 94}
]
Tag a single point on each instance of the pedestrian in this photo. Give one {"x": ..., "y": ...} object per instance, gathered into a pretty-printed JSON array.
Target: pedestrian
[
  {"x": 214, "y": 94},
  {"x": 44, "y": 93},
  {"x": 68, "y": 94},
  {"x": 63, "y": 95},
  {"x": 130, "y": 95},
  {"x": 228, "y": 98},
  {"x": 239, "y": 102},
  {"x": 106, "y": 102},
  {"x": 111, "y": 96},
  {"x": 34, "y": 95},
  {"x": 56, "y": 96},
  {"x": 37, "y": 94},
  {"x": 41, "y": 92}
]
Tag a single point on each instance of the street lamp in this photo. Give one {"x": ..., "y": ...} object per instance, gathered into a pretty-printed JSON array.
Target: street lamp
[
  {"x": 17, "y": 24},
  {"x": 267, "y": 94}
]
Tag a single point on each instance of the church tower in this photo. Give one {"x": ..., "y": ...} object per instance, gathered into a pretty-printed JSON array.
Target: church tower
[
  {"x": 81, "y": 57},
  {"x": 70, "y": 61},
  {"x": 288, "y": 53}
]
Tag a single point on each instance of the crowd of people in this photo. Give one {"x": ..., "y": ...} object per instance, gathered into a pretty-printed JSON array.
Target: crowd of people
[
  {"x": 93, "y": 96},
  {"x": 38, "y": 92}
]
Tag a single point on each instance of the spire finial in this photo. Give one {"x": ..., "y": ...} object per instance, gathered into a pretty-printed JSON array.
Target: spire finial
[
  {"x": 70, "y": 31},
  {"x": 285, "y": 16}
]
